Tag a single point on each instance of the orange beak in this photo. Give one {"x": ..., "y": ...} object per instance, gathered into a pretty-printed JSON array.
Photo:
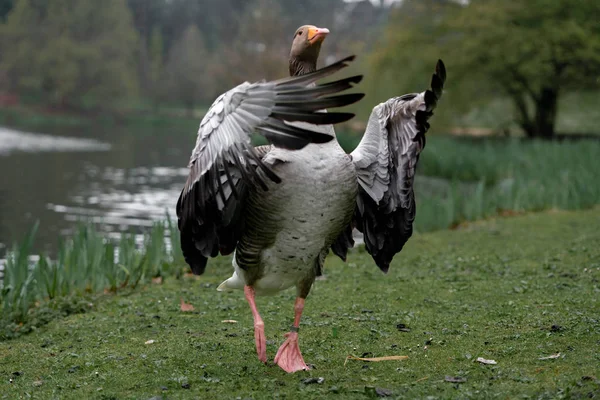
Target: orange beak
[{"x": 316, "y": 35}]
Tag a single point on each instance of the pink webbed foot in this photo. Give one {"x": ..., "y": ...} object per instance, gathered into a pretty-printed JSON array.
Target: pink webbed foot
[
  {"x": 289, "y": 357},
  {"x": 261, "y": 341},
  {"x": 259, "y": 326}
]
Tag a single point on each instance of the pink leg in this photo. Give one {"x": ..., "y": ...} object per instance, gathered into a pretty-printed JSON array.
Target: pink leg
[
  {"x": 259, "y": 326},
  {"x": 289, "y": 357}
]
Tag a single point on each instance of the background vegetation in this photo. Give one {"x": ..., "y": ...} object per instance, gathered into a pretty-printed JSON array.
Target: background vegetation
[
  {"x": 151, "y": 54},
  {"x": 36, "y": 289},
  {"x": 515, "y": 290}
]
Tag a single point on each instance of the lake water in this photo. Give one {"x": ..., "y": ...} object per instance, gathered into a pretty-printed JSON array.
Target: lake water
[{"x": 117, "y": 177}]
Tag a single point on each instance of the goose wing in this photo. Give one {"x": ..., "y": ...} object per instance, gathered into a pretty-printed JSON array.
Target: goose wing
[
  {"x": 385, "y": 161},
  {"x": 224, "y": 165}
]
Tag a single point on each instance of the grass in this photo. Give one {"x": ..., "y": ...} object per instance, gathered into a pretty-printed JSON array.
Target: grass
[
  {"x": 509, "y": 289},
  {"x": 86, "y": 263},
  {"x": 479, "y": 178}
]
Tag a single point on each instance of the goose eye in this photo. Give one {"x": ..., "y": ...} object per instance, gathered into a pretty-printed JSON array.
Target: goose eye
[{"x": 299, "y": 33}]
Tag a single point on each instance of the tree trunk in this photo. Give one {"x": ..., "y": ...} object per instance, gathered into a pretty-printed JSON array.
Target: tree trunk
[
  {"x": 545, "y": 113},
  {"x": 523, "y": 117},
  {"x": 543, "y": 121}
]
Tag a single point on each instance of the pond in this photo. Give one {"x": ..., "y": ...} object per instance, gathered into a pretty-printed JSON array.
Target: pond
[{"x": 120, "y": 177}]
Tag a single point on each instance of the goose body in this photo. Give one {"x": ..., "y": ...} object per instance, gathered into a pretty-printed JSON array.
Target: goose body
[
  {"x": 281, "y": 208},
  {"x": 292, "y": 226}
]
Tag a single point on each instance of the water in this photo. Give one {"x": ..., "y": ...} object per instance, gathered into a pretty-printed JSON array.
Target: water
[{"x": 122, "y": 178}]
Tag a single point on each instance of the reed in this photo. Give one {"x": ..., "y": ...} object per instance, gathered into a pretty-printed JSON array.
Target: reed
[
  {"x": 86, "y": 263},
  {"x": 467, "y": 179}
]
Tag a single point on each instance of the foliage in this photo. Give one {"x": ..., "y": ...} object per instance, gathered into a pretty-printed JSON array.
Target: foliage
[
  {"x": 513, "y": 290},
  {"x": 86, "y": 263},
  {"x": 186, "y": 77},
  {"x": 537, "y": 51},
  {"x": 53, "y": 51},
  {"x": 5, "y": 7},
  {"x": 531, "y": 52},
  {"x": 468, "y": 179},
  {"x": 149, "y": 45},
  {"x": 17, "y": 292},
  {"x": 402, "y": 61}
]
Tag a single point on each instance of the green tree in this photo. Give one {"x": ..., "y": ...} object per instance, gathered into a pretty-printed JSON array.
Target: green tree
[
  {"x": 70, "y": 49},
  {"x": 5, "y": 7},
  {"x": 402, "y": 59},
  {"x": 531, "y": 51},
  {"x": 186, "y": 80},
  {"x": 156, "y": 63},
  {"x": 535, "y": 51}
]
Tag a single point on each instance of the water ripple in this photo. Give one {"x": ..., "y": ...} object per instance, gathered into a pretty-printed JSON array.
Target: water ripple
[{"x": 14, "y": 141}]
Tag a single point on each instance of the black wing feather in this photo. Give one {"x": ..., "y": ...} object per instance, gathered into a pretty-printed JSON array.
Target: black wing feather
[{"x": 387, "y": 224}]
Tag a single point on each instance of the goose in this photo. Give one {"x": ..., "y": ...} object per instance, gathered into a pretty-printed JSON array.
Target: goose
[{"x": 280, "y": 208}]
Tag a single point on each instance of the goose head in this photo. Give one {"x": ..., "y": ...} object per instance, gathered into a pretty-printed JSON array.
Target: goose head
[{"x": 305, "y": 49}]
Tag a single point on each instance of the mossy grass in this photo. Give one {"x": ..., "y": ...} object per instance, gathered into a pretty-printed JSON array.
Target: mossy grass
[{"x": 513, "y": 290}]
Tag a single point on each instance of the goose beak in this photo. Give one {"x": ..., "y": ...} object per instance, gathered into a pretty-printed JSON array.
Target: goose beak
[{"x": 317, "y": 35}]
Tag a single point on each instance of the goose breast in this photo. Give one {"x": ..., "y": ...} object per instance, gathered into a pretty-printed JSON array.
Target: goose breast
[{"x": 299, "y": 218}]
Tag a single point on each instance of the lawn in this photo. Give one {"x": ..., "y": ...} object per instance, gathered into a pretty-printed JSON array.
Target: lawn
[{"x": 513, "y": 290}]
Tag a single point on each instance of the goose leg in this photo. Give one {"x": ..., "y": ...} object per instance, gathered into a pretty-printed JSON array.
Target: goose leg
[
  {"x": 259, "y": 326},
  {"x": 289, "y": 357}
]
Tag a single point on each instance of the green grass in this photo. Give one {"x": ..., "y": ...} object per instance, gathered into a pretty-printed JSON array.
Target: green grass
[
  {"x": 478, "y": 178},
  {"x": 86, "y": 263},
  {"x": 512, "y": 290}
]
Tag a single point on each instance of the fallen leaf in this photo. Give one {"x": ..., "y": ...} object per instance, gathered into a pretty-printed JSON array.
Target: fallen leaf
[
  {"x": 185, "y": 307},
  {"x": 229, "y": 321},
  {"x": 550, "y": 357},
  {"x": 376, "y": 359},
  {"x": 158, "y": 280},
  {"x": 455, "y": 379},
  {"x": 150, "y": 341},
  {"x": 487, "y": 362},
  {"x": 37, "y": 383}
]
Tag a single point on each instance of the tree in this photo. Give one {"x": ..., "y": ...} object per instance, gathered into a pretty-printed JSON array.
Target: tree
[
  {"x": 408, "y": 48},
  {"x": 259, "y": 51},
  {"x": 531, "y": 51},
  {"x": 186, "y": 79},
  {"x": 148, "y": 19},
  {"x": 70, "y": 49},
  {"x": 5, "y": 7},
  {"x": 535, "y": 51},
  {"x": 156, "y": 63}
]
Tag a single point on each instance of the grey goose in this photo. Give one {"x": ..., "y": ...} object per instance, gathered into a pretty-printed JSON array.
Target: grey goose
[{"x": 280, "y": 208}]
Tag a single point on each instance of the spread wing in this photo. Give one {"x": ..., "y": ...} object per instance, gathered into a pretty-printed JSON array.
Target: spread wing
[
  {"x": 385, "y": 161},
  {"x": 224, "y": 165}
]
